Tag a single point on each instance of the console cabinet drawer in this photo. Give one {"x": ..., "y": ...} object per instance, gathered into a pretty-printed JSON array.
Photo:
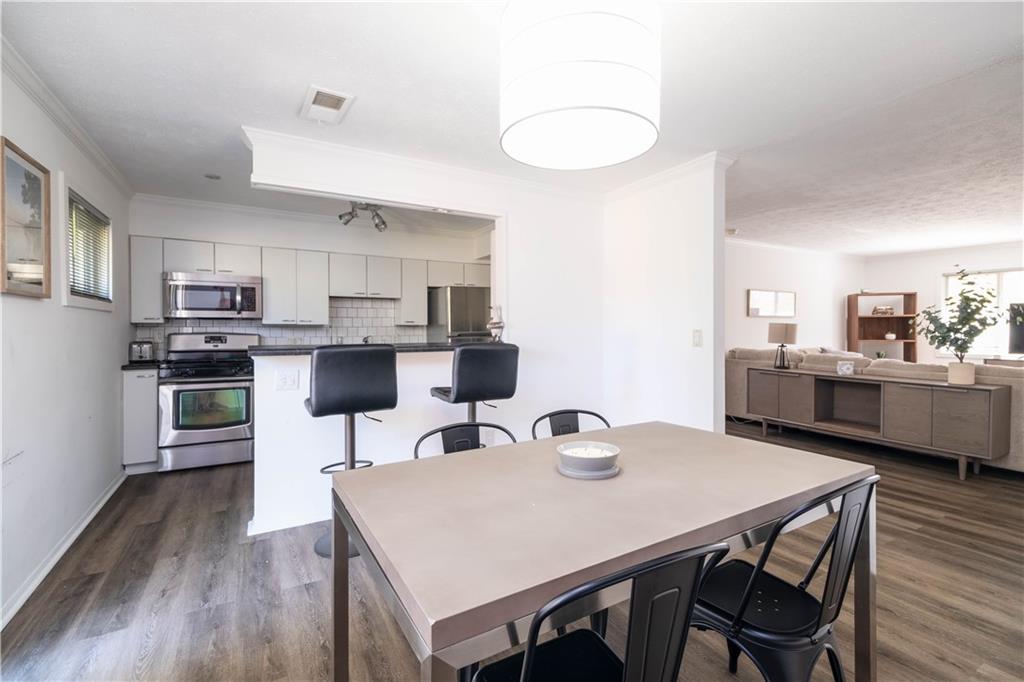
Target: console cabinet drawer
[
  {"x": 907, "y": 413},
  {"x": 763, "y": 393},
  {"x": 960, "y": 420}
]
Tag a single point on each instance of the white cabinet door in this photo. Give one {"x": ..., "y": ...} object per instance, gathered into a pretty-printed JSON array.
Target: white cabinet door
[
  {"x": 279, "y": 286},
  {"x": 147, "y": 288},
  {"x": 313, "y": 288},
  {"x": 478, "y": 275},
  {"x": 383, "y": 277},
  {"x": 412, "y": 309},
  {"x": 182, "y": 255},
  {"x": 348, "y": 275},
  {"x": 139, "y": 405},
  {"x": 445, "y": 274},
  {"x": 236, "y": 259}
]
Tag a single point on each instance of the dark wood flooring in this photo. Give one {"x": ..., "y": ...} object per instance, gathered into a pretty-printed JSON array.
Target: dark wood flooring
[{"x": 165, "y": 585}]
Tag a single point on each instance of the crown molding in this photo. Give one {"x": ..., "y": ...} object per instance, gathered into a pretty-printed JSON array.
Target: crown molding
[
  {"x": 395, "y": 224},
  {"x": 22, "y": 74},
  {"x": 739, "y": 241},
  {"x": 712, "y": 160}
]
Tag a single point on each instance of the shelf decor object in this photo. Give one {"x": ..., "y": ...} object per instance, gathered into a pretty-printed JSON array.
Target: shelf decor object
[
  {"x": 580, "y": 81},
  {"x": 782, "y": 333},
  {"x": 25, "y": 236},
  {"x": 887, "y": 323}
]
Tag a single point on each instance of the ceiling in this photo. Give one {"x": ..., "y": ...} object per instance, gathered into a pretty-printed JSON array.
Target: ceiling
[{"x": 811, "y": 97}]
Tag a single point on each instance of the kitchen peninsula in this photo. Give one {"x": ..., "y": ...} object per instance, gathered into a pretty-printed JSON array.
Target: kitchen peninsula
[{"x": 291, "y": 446}]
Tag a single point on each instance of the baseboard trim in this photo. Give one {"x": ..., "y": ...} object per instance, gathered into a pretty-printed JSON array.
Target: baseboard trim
[{"x": 22, "y": 594}]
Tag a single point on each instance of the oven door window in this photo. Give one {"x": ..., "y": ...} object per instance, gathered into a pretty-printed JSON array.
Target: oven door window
[
  {"x": 206, "y": 297},
  {"x": 211, "y": 408}
]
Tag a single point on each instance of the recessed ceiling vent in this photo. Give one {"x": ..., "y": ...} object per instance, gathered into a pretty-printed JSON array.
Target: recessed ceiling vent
[{"x": 325, "y": 106}]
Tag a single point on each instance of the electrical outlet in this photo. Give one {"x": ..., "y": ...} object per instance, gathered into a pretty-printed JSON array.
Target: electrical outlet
[
  {"x": 286, "y": 380},
  {"x": 698, "y": 338}
]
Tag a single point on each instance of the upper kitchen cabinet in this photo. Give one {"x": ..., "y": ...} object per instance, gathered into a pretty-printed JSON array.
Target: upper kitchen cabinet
[
  {"x": 237, "y": 259},
  {"x": 280, "y": 286},
  {"x": 312, "y": 304},
  {"x": 347, "y": 275},
  {"x": 383, "y": 277},
  {"x": 412, "y": 309},
  {"x": 182, "y": 255},
  {"x": 147, "y": 266},
  {"x": 445, "y": 274},
  {"x": 478, "y": 275}
]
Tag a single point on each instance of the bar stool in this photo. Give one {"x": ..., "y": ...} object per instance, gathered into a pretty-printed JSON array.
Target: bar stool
[
  {"x": 481, "y": 371},
  {"x": 348, "y": 380}
]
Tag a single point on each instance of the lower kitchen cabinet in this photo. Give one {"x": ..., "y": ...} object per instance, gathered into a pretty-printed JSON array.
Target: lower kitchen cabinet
[{"x": 139, "y": 408}]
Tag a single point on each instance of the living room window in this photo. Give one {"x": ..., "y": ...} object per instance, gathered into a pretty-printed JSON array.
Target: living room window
[{"x": 1009, "y": 288}]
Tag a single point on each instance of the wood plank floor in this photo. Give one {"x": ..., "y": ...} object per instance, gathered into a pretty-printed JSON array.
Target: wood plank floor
[{"x": 165, "y": 585}]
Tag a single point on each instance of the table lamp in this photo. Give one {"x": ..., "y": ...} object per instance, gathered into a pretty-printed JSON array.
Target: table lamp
[{"x": 781, "y": 333}]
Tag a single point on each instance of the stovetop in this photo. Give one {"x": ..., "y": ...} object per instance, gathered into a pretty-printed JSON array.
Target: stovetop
[{"x": 232, "y": 368}]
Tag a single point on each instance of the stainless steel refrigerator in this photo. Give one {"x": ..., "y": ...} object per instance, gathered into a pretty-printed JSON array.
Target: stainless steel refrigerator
[{"x": 458, "y": 313}]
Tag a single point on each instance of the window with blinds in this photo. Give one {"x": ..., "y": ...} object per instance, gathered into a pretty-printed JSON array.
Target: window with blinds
[{"x": 89, "y": 244}]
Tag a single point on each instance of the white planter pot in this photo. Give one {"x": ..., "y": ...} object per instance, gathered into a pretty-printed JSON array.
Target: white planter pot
[{"x": 961, "y": 373}]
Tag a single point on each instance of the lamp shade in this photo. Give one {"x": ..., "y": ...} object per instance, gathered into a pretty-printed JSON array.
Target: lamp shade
[
  {"x": 782, "y": 332},
  {"x": 580, "y": 81}
]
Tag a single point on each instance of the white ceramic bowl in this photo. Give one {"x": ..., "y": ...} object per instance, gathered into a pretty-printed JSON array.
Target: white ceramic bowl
[{"x": 587, "y": 455}]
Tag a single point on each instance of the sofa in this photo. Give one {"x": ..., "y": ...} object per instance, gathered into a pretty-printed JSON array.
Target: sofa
[{"x": 738, "y": 360}]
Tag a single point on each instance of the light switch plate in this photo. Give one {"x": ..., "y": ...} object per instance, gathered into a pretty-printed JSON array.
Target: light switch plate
[
  {"x": 698, "y": 338},
  {"x": 286, "y": 380}
]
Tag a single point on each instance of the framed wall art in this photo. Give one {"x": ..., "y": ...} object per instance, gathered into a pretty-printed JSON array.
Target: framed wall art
[{"x": 25, "y": 235}]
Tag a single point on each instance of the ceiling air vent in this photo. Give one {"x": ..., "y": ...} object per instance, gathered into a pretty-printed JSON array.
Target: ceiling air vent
[{"x": 325, "y": 106}]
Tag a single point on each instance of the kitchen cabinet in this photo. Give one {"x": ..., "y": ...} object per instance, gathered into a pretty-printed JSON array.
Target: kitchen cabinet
[
  {"x": 478, "y": 275},
  {"x": 280, "y": 286},
  {"x": 237, "y": 259},
  {"x": 147, "y": 286},
  {"x": 139, "y": 409},
  {"x": 347, "y": 275},
  {"x": 763, "y": 393},
  {"x": 383, "y": 277},
  {"x": 183, "y": 255},
  {"x": 907, "y": 413},
  {"x": 445, "y": 274},
  {"x": 312, "y": 304},
  {"x": 412, "y": 309}
]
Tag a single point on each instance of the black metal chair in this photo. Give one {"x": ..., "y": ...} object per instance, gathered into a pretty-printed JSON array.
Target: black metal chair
[
  {"x": 347, "y": 380},
  {"x": 565, "y": 421},
  {"x": 480, "y": 372},
  {"x": 781, "y": 627},
  {"x": 460, "y": 436},
  {"x": 660, "y": 606}
]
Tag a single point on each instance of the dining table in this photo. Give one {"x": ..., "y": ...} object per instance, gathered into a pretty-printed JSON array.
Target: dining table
[{"x": 465, "y": 547}]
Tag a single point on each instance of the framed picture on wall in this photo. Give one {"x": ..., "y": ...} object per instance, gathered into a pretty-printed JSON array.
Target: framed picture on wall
[
  {"x": 25, "y": 235},
  {"x": 770, "y": 303}
]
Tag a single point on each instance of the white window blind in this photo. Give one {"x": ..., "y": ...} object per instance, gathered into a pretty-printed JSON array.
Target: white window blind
[{"x": 88, "y": 250}]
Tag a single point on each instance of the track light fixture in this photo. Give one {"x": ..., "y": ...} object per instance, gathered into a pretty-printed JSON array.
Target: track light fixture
[{"x": 353, "y": 213}]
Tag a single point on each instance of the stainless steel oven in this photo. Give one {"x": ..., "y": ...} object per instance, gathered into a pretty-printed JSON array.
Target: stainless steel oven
[
  {"x": 202, "y": 411},
  {"x": 210, "y": 295}
]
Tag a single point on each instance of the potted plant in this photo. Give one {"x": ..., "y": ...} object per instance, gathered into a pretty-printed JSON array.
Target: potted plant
[{"x": 956, "y": 325}]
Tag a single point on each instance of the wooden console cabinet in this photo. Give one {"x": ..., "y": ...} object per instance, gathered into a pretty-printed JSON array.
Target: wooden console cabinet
[{"x": 969, "y": 423}]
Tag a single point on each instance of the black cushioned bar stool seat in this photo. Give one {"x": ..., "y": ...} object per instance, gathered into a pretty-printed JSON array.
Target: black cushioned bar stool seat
[
  {"x": 347, "y": 380},
  {"x": 481, "y": 371}
]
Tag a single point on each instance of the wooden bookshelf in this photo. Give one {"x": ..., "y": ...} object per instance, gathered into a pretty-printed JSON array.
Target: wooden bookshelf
[{"x": 861, "y": 329}]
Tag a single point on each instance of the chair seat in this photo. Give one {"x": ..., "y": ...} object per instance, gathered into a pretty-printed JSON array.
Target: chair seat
[
  {"x": 442, "y": 392},
  {"x": 775, "y": 606},
  {"x": 580, "y": 656}
]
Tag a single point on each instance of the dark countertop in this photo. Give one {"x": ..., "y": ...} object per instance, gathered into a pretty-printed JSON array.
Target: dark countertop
[
  {"x": 256, "y": 351},
  {"x": 150, "y": 364}
]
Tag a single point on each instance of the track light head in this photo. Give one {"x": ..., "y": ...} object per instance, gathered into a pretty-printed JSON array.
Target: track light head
[
  {"x": 379, "y": 222},
  {"x": 349, "y": 215}
]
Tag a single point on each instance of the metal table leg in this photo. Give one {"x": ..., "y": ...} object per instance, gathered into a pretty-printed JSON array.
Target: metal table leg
[
  {"x": 865, "y": 570},
  {"x": 339, "y": 588}
]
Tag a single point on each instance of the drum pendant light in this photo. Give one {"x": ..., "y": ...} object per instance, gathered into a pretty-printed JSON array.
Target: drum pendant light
[{"x": 580, "y": 81}]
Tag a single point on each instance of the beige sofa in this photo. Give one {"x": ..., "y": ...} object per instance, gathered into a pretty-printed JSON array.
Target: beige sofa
[{"x": 738, "y": 360}]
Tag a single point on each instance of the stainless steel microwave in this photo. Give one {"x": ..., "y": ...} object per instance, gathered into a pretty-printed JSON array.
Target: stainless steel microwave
[{"x": 210, "y": 295}]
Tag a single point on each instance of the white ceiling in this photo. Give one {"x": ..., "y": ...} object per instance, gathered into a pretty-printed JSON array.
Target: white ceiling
[{"x": 799, "y": 92}]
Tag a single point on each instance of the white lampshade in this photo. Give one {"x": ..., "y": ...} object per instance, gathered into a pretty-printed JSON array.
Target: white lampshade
[{"x": 580, "y": 81}]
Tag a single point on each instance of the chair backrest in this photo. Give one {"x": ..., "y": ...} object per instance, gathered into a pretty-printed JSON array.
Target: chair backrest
[
  {"x": 841, "y": 544},
  {"x": 565, "y": 421},
  {"x": 660, "y": 606},
  {"x": 352, "y": 378},
  {"x": 460, "y": 436},
  {"x": 484, "y": 371}
]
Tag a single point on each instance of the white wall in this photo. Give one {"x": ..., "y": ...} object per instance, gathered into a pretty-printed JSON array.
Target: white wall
[
  {"x": 821, "y": 282},
  {"x": 663, "y": 280},
  {"x": 167, "y": 217},
  {"x": 922, "y": 272},
  {"x": 62, "y": 382}
]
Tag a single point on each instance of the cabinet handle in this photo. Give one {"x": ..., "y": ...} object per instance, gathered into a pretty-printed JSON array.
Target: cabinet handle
[
  {"x": 374, "y": 293},
  {"x": 203, "y": 270},
  {"x": 459, "y": 284},
  {"x": 287, "y": 320},
  {"x": 225, "y": 270},
  {"x": 154, "y": 319},
  {"x": 305, "y": 321},
  {"x": 789, "y": 376},
  {"x": 917, "y": 386},
  {"x": 410, "y": 321},
  {"x": 951, "y": 390}
]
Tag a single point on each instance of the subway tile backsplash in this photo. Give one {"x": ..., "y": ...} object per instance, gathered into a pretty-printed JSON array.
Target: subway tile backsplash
[{"x": 351, "y": 320}]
